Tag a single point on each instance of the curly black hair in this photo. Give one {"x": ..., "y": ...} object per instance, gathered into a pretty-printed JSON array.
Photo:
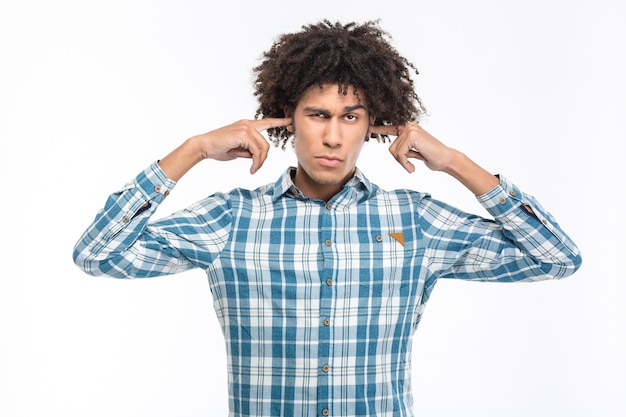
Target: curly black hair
[{"x": 358, "y": 56}]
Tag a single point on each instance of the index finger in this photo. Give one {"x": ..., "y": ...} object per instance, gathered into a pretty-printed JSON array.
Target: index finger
[
  {"x": 386, "y": 129},
  {"x": 270, "y": 122}
]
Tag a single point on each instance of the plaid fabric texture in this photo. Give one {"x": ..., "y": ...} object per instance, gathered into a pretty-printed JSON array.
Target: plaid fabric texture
[{"x": 318, "y": 301}]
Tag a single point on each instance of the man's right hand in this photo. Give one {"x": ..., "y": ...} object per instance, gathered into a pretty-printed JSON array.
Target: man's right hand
[{"x": 241, "y": 139}]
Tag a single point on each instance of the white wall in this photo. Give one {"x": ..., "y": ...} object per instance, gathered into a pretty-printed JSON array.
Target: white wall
[{"x": 93, "y": 91}]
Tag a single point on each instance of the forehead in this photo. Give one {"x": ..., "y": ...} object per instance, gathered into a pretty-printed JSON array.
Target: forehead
[{"x": 332, "y": 95}]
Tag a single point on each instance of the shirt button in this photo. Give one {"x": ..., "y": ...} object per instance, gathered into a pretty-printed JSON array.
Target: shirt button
[
  {"x": 503, "y": 201},
  {"x": 544, "y": 221},
  {"x": 328, "y": 242},
  {"x": 512, "y": 193},
  {"x": 325, "y": 412},
  {"x": 326, "y": 322},
  {"x": 328, "y": 206},
  {"x": 125, "y": 219},
  {"x": 329, "y": 282},
  {"x": 157, "y": 189},
  {"x": 326, "y": 368},
  {"x": 167, "y": 193},
  {"x": 379, "y": 238}
]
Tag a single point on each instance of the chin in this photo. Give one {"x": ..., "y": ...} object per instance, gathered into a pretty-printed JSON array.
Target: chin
[{"x": 329, "y": 180}]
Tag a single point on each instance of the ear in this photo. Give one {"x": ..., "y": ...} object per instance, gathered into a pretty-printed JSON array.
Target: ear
[
  {"x": 369, "y": 131},
  {"x": 288, "y": 113}
]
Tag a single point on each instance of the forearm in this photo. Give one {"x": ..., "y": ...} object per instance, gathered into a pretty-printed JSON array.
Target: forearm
[
  {"x": 111, "y": 244},
  {"x": 478, "y": 180},
  {"x": 520, "y": 215},
  {"x": 522, "y": 241},
  {"x": 182, "y": 159},
  {"x": 532, "y": 229}
]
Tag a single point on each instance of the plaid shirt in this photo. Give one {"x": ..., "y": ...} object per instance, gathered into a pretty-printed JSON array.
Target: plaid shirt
[{"x": 318, "y": 301}]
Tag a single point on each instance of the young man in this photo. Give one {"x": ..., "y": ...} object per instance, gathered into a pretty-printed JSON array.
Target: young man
[{"x": 320, "y": 279}]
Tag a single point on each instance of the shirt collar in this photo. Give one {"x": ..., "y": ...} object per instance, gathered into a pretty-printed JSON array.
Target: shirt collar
[{"x": 358, "y": 187}]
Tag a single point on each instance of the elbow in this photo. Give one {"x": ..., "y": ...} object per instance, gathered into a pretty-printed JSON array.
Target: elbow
[
  {"x": 564, "y": 269},
  {"x": 576, "y": 262},
  {"x": 112, "y": 265},
  {"x": 92, "y": 265},
  {"x": 81, "y": 260}
]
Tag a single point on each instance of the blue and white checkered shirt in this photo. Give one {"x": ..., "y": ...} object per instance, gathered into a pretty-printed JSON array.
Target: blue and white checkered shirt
[{"x": 318, "y": 301}]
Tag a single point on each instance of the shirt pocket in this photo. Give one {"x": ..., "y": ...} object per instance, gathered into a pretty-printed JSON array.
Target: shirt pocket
[{"x": 381, "y": 264}]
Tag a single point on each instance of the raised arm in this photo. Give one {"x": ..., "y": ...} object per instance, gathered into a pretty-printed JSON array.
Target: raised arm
[
  {"x": 524, "y": 242},
  {"x": 122, "y": 242}
]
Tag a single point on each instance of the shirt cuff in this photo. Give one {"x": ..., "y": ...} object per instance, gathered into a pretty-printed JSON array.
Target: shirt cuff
[
  {"x": 501, "y": 199},
  {"x": 154, "y": 184}
]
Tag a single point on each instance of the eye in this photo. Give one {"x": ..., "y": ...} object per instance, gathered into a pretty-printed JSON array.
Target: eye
[{"x": 351, "y": 117}]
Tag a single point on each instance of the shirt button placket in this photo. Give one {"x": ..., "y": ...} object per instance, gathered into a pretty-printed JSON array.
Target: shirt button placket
[{"x": 327, "y": 292}]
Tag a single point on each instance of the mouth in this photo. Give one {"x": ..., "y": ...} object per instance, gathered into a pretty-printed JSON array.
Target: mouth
[{"x": 328, "y": 161}]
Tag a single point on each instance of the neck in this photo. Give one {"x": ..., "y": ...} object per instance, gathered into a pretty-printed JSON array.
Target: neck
[{"x": 318, "y": 189}]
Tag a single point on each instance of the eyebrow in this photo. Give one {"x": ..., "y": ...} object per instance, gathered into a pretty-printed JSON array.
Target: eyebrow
[{"x": 346, "y": 109}]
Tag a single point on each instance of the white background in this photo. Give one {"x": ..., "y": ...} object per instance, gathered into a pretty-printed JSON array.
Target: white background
[{"x": 91, "y": 92}]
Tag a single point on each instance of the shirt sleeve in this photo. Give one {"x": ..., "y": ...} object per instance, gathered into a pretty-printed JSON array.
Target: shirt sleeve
[
  {"x": 523, "y": 242},
  {"x": 122, "y": 242}
]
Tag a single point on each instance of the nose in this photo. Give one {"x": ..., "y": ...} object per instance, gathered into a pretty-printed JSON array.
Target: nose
[{"x": 332, "y": 134}]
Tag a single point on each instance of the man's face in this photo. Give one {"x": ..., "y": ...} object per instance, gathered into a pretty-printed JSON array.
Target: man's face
[{"x": 330, "y": 129}]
